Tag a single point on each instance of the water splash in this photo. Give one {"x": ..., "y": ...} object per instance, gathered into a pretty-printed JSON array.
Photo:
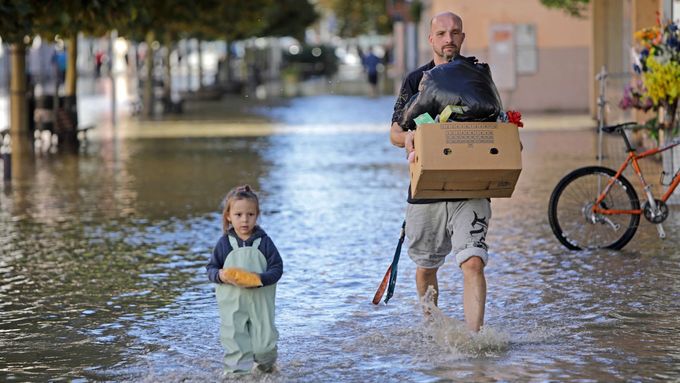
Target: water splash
[{"x": 452, "y": 336}]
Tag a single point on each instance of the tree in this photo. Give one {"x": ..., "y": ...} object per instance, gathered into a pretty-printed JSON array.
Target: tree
[
  {"x": 140, "y": 20},
  {"x": 16, "y": 24},
  {"x": 16, "y": 19},
  {"x": 67, "y": 18},
  {"x": 289, "y": 18},
  {"x": 359, "y": 17},
  {"x": 575, "y": 8},
  {"x": 22, "y": 19},
  {"x": 236, "y": 19},
  {"x": 165, "y": 21},
  {"x": 212, "y": 19}
]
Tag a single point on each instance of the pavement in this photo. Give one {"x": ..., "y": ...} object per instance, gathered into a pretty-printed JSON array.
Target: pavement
[{"x": 558, "y": 121}]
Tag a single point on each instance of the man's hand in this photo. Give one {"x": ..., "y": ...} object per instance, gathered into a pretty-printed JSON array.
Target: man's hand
[
  {"x": 401, "y": 138},
  {"x": 408, "y": 141},
  {"x": 397, "y": 135}
]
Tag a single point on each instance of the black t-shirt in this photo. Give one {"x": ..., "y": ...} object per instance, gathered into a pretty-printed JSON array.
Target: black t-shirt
[{"x": 408, "y": 89}]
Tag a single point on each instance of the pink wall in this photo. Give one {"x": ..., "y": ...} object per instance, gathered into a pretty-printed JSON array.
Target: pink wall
[
  {"x": 562, "y": 80},
  {"x": 556, "y": 28}
]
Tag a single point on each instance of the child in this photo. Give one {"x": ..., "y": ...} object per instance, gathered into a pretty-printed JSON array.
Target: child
[{"x": 245, "y": 266}]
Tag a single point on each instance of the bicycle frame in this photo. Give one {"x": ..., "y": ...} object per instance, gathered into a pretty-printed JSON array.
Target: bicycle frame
[{"x": 633, "y": 158}]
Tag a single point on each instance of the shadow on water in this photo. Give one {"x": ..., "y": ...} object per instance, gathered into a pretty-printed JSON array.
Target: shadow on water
[{"x": 102, "y": 256}]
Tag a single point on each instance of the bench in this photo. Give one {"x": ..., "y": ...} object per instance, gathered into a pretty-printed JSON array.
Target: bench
[
  {"x": 82, "y": 133},
  {"x": 82, "y": 130}
]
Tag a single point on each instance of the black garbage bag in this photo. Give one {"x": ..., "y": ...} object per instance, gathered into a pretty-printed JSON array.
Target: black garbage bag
[{"x": 463, "y": 82}]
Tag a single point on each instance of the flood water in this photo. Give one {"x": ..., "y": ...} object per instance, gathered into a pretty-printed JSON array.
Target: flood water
[{"x": 102, "y": 264}]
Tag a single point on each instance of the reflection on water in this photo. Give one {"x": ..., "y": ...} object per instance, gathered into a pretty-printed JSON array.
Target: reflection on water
[{"x": 101, "y": 269}]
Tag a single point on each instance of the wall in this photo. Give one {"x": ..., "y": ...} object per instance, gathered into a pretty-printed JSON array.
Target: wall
[{"x": 561, "y": 82}]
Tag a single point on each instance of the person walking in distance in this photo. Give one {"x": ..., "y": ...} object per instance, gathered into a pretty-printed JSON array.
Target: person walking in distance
[{"x": 371, "y": 62}]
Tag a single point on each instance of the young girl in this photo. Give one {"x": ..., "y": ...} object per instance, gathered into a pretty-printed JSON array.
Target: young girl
[{"x": 245, "y": 266}]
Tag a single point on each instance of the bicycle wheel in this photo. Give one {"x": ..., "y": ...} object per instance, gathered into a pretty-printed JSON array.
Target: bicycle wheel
[{"x": 571, "y": 216}]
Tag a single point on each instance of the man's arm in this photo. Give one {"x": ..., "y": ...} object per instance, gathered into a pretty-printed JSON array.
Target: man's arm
[
  {"x": 401, "y": 138},
  {"x": 398, "y": 136}
]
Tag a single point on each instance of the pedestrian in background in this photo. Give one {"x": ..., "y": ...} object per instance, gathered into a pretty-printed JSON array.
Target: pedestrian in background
[{"x": 371, "y": 62}]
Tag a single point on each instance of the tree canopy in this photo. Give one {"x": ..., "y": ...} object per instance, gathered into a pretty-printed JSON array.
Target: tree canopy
[
  {"x": 575, "y": 8},
  {"x": 17, "y": 19},
  {"x": 21, "y": 18},
  {"x": 208, "y": 19},
  {"x": 289, "y": 18},
  {"x": 360, "y": 17},
  {"x": 237, "y": 19}
]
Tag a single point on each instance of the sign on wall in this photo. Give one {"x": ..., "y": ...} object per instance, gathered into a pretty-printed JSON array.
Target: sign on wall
[
  {"x": 527, "y": 57},
  {"x": 502, "y": 56}
]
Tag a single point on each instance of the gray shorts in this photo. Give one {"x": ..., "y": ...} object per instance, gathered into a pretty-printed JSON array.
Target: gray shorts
[{"x": 434, "y": 229}]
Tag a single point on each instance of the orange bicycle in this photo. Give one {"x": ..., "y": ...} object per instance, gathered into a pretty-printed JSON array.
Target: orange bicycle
[{"x": 597, "y": 207}]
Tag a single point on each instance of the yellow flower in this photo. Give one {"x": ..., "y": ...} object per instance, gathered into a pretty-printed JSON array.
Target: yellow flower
[{"x": 662, "y": 80}]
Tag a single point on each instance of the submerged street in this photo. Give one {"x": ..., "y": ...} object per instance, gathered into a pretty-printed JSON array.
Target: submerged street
[{"x": 102, "y": 259}]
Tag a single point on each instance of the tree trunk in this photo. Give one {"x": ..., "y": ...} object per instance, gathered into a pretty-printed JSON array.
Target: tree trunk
[
  {"x": 67, "y": 114},
  {"x": 70, "y": 84},
  {"x": 148, "y": 102},
  {"x": 200, "y": 65},
  {"x": 167, "y": 74},
  {"x": 20, "y": 135},
  {"x": 225, "y": 70}
]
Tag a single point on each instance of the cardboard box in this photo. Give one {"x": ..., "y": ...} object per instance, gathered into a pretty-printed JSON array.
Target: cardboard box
[{"x": 465, "y": 160}]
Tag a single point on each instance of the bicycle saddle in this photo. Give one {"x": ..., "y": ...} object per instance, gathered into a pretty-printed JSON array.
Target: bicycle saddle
[{"x": 617, "y": 127}]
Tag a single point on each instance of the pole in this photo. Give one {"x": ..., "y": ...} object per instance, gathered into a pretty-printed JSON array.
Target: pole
[
  {"x": 112, "y": 66},
  {"x": 6, "y": 151},
  {"x": 601, "y": 105}
]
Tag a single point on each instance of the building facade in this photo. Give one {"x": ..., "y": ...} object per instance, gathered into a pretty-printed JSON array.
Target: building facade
[{"x": 542, "y": 59}]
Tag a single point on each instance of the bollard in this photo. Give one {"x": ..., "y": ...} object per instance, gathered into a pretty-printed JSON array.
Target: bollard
[
  {"x": 6, "y": 153},
  {"x": 7, "y": 166}
]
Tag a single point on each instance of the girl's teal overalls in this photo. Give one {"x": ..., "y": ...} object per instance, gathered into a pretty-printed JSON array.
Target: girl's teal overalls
[{"x": 247, "y": 330}]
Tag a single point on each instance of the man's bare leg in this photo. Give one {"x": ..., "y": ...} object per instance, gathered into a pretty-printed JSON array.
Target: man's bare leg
[
  {"x": 474, "y": 292},
  {"x": 424, "y": 279}
]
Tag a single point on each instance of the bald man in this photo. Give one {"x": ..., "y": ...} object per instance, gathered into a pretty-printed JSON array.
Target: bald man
[{"x": 435, "y": 227}]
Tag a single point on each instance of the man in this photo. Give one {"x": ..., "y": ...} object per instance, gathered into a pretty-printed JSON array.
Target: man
[
  {"x": 435, "y": 227},
  {"x": 371, "y": 62}
]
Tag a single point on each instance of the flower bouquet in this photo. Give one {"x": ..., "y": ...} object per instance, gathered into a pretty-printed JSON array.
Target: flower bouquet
[
  {"x": 511, "y": 116},
  {"x": 657, "y": 84}
]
